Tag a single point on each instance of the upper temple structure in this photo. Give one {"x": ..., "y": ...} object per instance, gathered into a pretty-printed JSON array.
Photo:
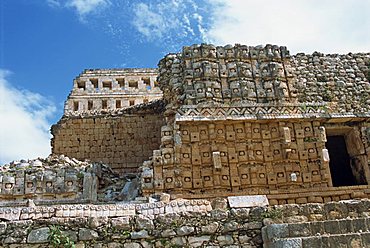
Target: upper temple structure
[{"x": 100, "y": 89}]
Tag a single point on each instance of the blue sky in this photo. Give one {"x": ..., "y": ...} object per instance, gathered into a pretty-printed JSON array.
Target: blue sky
[{"x": 44, "y": 44}]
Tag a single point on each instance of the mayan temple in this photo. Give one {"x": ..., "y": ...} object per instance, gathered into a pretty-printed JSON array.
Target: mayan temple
[{"x": 220, "y": 146}]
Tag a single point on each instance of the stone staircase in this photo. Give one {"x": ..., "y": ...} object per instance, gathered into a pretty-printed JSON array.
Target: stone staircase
[{"x": 335, "y": 229}]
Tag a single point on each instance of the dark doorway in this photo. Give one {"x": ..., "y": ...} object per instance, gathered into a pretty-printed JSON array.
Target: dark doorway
[{"x": 340, "y": 165}]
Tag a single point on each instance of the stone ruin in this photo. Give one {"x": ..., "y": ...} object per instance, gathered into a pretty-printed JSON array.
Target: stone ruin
[
  {"x": 100, "y": 89},
  {"x": 221, "y": 146},
  {"x": 256, "y": 120}
]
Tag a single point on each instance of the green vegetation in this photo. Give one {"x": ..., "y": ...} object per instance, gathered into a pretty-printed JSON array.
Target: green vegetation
[
  {"x": 273, "y": 214},
  {"x": 58, "y": 239}
]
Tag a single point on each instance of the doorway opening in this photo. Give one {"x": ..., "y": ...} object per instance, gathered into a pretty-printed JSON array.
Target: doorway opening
[{"x": 340, "y": 162}]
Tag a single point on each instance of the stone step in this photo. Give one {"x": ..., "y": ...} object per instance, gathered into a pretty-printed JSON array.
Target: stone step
[
  {"x": 307, "y": 229},
  {"x": 349, "y": 240}
]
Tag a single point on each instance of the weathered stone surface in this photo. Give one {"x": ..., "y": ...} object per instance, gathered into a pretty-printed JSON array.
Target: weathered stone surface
[
  {"x": 210, "y": 228},
  {"x": 185, "y": 230},
  {"x": 180, "y": 241},
  {"x": 38, "y": 235},
  {"x": 144, "y": 223},
  {"x": 198, "y": 241},
  {"x": 225, "y": 240},
  {"x": 87, "y": 234},
  {"x": 146, "y": 244},
  {"x": 288, "y": 243},
  {"x": 247, "y": 201},
  {"x": 114, "y": 245},
  {"x": 3, "y": 226},
  {"x": 140, "y": 234},
  {"x": 168, "y": 233},
  {"x": 132, "y": 245}
]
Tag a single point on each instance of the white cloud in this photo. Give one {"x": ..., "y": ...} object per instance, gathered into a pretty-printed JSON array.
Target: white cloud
[
  {"x": 53, "y": 3},
  {"x": 24, "y": 126},
  {"x": 84, "y": 7},
  {"x": 168, "y": 22},
  {"x": 147, "y": 22},
  {"x": 328, "y": 26}
]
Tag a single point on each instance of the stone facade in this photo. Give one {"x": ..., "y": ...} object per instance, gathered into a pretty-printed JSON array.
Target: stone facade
[
  {"x": 104, "y": 90},
  {"x": 256, "y": 120}
]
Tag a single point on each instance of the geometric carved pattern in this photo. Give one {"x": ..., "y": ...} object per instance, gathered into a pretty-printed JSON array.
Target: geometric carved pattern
[{"x": 222, "y": 112}]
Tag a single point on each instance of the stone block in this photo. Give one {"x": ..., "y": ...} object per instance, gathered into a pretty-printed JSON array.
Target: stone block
[
  {"x": 144, "y": 223},
  {"x": 288, "y": 243},
  {"x": 345, "y": 226},
  {"x": 276, "y": 231},
  {"x": 185, "y": 230},
  {"x": 332, "y": 227},
  {"x": 3, "y": 226},
  {"x": 359, "y": 225},
  {"x": 248, "y": 201},
  {"x": 230, "y": 226},
  {"x": 225, "y": 240},
  {"x": 198, "y": 241},
  {"x": 365, "y": 239},
  {"x": 337, "y": 241},
  {"x": 168, "y": 233},
  {"x": 143, "y": 234},
  {"x": 132, "y": 245},
  {"x": 311, "y": 242},
  {"x": 72, "y": 235},
  {"x": 210, "y": 228},
  {"x": 114, "y": 245},
  {"x": 179, "y": 241},
  {"x": 299, "y": 230},
  {"x": 354, "y": 241},
  {"x": 85, "y": 234},
  {"x": 39, "y": 235}
]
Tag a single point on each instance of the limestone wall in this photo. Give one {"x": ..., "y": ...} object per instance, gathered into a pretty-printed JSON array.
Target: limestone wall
[
  {"x": 176, "y": 224},
  {"x": 184, "y": 223},
  {"x": 123, "y": 140}
]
